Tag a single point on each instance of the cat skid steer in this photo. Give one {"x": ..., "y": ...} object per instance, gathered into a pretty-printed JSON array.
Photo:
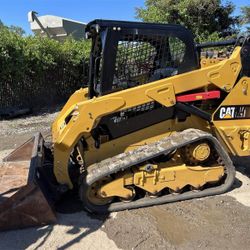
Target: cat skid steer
[{"x": 153, "y": 126}]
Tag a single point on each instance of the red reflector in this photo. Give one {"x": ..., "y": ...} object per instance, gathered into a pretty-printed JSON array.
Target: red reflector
[{"x": 199, "y": 96}]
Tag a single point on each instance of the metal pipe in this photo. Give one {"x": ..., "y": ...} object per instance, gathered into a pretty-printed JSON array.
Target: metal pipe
[{"x": 216, "y": 44}]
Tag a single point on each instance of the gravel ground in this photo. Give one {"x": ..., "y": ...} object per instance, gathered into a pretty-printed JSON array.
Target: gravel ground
[
  {"x": 73, "y": 231},
  {"x": 15, "y": 132},
  {"x": 221, "y": 222},
  {"x": 211, "y": 223}
]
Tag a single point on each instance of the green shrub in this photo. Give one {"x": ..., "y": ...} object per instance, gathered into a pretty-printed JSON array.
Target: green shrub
[{"x": 38, "y": 71}]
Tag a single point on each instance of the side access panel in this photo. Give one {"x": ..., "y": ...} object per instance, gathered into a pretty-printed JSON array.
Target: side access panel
[{"x": 232, "y": 119}]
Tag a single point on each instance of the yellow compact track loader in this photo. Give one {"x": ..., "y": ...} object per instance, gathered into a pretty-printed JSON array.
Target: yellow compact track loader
[{"x": 157, "y": 124}]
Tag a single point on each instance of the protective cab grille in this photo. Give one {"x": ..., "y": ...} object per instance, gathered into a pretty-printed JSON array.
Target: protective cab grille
[{"x": 141, "y": 59}]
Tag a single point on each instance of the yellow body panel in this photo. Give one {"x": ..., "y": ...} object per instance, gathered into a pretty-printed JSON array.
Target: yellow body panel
[
  {"x": 206, "y": 62},
  {"x": 236, "y": 133},
  {"x": 81, "y": 115}
]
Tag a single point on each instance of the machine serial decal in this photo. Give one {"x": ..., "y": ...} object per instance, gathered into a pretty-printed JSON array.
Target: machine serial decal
[
  {"x": 126, "y": 114},
  {"x": 233, "y": 112}
]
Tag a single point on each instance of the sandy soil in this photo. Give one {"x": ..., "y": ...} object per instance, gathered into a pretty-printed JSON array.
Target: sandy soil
[{"x": 221, "y": 222}]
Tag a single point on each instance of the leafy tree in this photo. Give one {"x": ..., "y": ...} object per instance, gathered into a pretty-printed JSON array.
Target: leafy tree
[
  {"x": 1, "y": 24},
  {"x": 18, "y": 30},
  {"x": 245, "y": 16},
  {"x": 207, "y": 19}
]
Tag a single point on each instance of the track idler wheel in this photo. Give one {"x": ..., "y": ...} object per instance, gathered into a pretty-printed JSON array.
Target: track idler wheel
[
  {"x": 93, "y": 195},
  {"x": 196, "y": 153}
]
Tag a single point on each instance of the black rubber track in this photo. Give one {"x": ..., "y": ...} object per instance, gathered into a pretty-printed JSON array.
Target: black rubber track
[{"x": 164, "y": 146}]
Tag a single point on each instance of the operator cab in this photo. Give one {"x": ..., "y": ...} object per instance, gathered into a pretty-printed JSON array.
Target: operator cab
[{"x": 128, "y": 54}]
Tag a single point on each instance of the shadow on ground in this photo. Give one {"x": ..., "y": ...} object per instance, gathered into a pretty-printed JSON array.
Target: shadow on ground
[
  {"x": 242, "y": 165},
  {"x": 72, "y": 226}
]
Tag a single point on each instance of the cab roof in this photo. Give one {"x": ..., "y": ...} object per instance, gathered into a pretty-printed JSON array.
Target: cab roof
[{"x": 103, "y": 24}]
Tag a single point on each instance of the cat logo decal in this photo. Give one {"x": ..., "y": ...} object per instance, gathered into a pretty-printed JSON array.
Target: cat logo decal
[
  {"x": 227, "y": 112},
  {"x": 232, "y": 112}
]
